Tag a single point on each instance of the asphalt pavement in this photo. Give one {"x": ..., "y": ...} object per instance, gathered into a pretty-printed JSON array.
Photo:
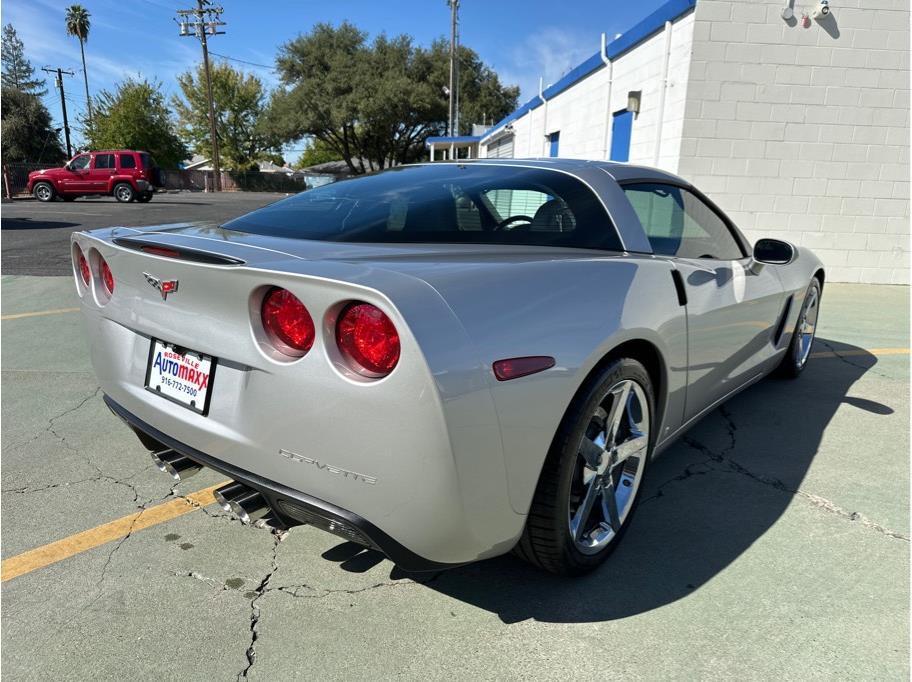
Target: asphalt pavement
[
  {"x": 772, "y": 542},
  {"x": 36, "y": 236}
]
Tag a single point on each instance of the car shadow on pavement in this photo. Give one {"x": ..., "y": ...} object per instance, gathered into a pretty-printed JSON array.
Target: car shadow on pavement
[
  {"x": 29, "y": 224},
  {"x": 706, "y": 500}
]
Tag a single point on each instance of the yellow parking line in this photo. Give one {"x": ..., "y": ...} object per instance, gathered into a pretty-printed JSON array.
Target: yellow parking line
[
  {"x": 39, "y": 313},
  {"x": 870, "y": 351},
  {"x": 53, "y": 552}
]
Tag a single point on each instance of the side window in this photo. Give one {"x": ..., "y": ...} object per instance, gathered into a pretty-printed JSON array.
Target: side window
[
  {"x": 104, "y": 161},
  {"x": 81, "y": 162},
  {"x": 678, "y": 223},
  {"x": 127, "y": 161}
]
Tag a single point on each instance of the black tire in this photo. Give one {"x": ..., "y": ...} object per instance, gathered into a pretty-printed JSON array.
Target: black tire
[
  {"x": 546, "y": 541},
  {"x": 795, "y": 359},
  {"x": 44, "y": 191},
  {"x": 124, "y": 193},
  {"x": 144, "y": 198},
  {"x": 68, "y": 198}
]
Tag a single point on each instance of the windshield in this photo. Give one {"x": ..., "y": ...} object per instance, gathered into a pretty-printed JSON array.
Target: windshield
[{"x": 443, "y": 203}]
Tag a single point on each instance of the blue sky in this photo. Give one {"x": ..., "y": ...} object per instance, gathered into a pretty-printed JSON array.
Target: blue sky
[{"x": 520, "y": 39}]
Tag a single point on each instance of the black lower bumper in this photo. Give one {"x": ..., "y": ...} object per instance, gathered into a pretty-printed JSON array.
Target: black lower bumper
[{"x": 291, "y": 506}]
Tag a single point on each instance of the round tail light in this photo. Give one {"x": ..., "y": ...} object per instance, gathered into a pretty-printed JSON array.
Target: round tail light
[
  {"x": 287, "y": 322},
  {"x": 84, "y": 271},
  {"x": 106, "y": 276},
  {"x": 368, "y": 340}
]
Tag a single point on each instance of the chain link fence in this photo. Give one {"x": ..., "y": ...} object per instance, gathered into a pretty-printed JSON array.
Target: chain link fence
[{"x": 15, "y": 180}]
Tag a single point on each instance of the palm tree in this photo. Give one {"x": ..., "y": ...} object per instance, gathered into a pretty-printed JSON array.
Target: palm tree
[{"x": 78, "y": 25}]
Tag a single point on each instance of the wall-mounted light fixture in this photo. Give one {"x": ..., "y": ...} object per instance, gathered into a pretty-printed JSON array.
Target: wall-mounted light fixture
[{"x": 633, "y": 101}]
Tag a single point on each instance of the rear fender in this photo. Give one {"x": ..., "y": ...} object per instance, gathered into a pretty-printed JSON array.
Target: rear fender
[{"x": 548, "y": 308}]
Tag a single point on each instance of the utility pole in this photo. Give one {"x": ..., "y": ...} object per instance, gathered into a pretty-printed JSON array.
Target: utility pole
[
  {"x": 66, "y": 125},
  {"x": 454, "y": 68},
  {"x": 202, "y": 22}
]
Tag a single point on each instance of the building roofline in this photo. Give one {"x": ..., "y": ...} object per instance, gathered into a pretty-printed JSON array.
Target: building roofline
[
  {"x": 639, "y": 32},
  {"x": 456, "y": 139}
]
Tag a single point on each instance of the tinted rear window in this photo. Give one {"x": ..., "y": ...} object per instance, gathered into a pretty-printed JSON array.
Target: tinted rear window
[
  {"x": 127, "y": 161},
  {"x": 104, "y": 161},
  {"x": 439, "y": 203}
]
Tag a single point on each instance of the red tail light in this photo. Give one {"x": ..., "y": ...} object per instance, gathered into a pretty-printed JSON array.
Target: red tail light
[
  {"x": 106, "y": 276},
  {"x": 368, "y": 340},
  {"x": 84, "y": 269},
  {"x": 287, "y": 322}
]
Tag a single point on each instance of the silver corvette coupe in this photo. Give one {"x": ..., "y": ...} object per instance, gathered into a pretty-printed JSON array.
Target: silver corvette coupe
[{"x": 446, "y": 361}]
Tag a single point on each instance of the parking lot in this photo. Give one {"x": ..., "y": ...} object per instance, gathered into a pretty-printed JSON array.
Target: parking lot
[
  {"x": 36, "y": 236},
  {"x": 772, "y": 541}
]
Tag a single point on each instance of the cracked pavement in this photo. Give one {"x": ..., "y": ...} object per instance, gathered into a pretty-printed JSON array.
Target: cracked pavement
[{"x": 771, "y": 541}]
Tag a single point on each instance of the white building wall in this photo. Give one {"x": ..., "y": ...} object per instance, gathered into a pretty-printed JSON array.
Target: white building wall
[
  {"x": 803, "y": 133},
  {"x": 583, "y": 115}
]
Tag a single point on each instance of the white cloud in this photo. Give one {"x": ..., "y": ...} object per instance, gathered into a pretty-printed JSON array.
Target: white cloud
[{"x": 549, "y": 54}]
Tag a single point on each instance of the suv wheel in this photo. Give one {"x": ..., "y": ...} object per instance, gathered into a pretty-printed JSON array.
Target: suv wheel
[
  {"x": 144, "y": 198},
  {"x": 44, "y": 191},
  {"x": 124, "y": 193}
]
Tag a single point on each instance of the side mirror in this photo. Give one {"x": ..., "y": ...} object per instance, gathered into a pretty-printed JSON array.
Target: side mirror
[{"x": 773, "y": 251}]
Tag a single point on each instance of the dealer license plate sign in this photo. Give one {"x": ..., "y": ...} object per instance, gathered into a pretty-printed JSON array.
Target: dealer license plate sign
[{"x": 180, "y": 375}]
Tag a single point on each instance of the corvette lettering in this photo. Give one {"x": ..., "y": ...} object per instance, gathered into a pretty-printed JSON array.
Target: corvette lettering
[
  {"x": 180, "y": 368},
  {"x": 344, "y": 473}
]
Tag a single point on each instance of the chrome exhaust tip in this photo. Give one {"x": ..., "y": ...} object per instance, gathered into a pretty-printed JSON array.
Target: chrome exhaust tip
[
  {"x": 245, "y": 503},
  {"x": 226, "y": 493},
  {"x": 175, "y": 464}
]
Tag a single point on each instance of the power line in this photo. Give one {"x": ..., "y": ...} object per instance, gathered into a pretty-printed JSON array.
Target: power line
[
  {"x": 66, "y": 125},
  {"x": 201, "y": 22},
  {"x": 453, "y": 91},
  {"x": 242, "y": 61}
]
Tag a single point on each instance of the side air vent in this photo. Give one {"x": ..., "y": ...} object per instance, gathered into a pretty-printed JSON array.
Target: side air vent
[
  {"x": 780, "y": 328},
  {"x": 177, "y": 252}
]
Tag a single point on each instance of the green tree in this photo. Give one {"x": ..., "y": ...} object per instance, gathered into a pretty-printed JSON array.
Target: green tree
[
  {"x": 17, "y": 70},
  {"x": 482, "y": 97},
  {"x": 375, "y": 104},
  {"x": 77, "y": 25},
  {"x": 317, "y": 152},
  {"x": 240, "y": 100},
  {"x": 26, "y": 129},
  {"x": 135, "y": 116}
]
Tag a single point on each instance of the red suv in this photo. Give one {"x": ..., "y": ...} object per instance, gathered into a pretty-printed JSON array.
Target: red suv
[{"x": 124, "y": 174}]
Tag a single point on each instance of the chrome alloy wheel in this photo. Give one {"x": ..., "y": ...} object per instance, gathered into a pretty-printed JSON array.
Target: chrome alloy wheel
[
  {"x": 43, "y": 192},
  {"x": 123, "y": 193},
  {"x": 612, "y": 457},
  {"x": 807, "y": 327}
]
